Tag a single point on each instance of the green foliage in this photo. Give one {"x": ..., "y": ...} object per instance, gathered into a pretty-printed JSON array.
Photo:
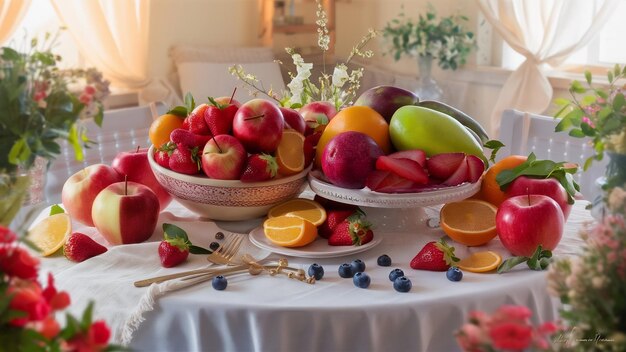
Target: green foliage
[
  {"x": 540, "y": 260},
  {"x": 445, "y": 39}
]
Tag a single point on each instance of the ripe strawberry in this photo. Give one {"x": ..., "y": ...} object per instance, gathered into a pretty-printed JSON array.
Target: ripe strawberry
[
  {"x": 173, "y": 251},
  {"x": 435, "y": 256},
  {"x": 185, "y": 160},
  {"x": 197, "y": 125},
  {"x": 353, "y": 231},
  {"x": 259, "y": 167},
  {"x": 334, "y": 218},
  {"x": 80, "y": 247},
  {"x": 219, "y": 117},
  {"x": 163, "y": 153}
]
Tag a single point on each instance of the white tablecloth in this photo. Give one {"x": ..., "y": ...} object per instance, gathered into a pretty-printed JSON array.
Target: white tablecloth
[{"x": 266, "y": 313}]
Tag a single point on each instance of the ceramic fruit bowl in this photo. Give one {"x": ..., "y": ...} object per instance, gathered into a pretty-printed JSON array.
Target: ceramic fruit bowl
[{"x": 227, "y": 200}]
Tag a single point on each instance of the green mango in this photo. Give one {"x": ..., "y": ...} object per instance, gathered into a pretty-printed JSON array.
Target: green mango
[{"x": 415, "y": 127}]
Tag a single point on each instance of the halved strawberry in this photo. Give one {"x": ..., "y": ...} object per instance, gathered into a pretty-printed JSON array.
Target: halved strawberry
[
  {"x": 387, "y": 182},
  {"x": 407, "y": 168},
  {"x": 416, "y": 155},
  {"x": 459, "y": 176},
  {"x": 476, "y": 168},
  {"x": 443, "y": 165}
]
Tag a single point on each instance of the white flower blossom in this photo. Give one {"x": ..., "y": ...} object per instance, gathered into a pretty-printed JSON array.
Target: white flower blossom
[{"x": 340, "y": 75}]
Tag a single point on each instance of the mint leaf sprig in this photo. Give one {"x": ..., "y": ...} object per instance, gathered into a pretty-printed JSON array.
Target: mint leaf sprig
[
  {"x": 172, "y": 231},
  {"x": 540, "y": 260},
  {"x": 532, "y": 167},
  {"x": 183, "y": 111}
]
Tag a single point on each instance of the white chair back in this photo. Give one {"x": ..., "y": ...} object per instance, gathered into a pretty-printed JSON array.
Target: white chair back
[
  {"x": 122, "y": 129},
  {"x": 523, "y": 133}
]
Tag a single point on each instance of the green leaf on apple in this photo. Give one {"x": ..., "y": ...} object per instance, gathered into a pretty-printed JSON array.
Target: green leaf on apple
[
  {"x": 56, "y": 209},
  {"x": 540, "y": 260},
  {"x": 532, "y": 167}
]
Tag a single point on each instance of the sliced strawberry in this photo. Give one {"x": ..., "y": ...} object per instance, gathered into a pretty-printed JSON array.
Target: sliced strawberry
[
  {"x": 407, "y": 168},
  {"x": 434, "y": 256},
  {"x": 80, "y": 247},
  {"x": 387, "y": 182},
  {"x": 443, "y": 165},
  {"x": 459, "y": 176},
  {"x": 476, "y": 168},
  {"x": 185, "y": 160},
  {"x": 259, "y": 167},
  {"x": 353, "y": 231},
  {"x": 416, "y": 155},
  {"x": 334, "y": 218}
]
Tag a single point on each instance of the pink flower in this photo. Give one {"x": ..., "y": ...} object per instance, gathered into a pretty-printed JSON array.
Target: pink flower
[
  {"x": 99, "y": 333},
  {"x": 548, "y": 328},
  {"x": 28, "y": 298},
  {"x": 19, "y": 263},
  {"x": 511, "y": 312},
  {"x": 57, "y": 300},
  {"x": 48, "y": 327},
  {"x": 95, "y": 339},
  {"x": 470, "y": 337},
  {"x": 85, "y": 98},
  {"x": 588, "y": 121},
  {"x": 6, "y": 235},
  {"x": 511, "y": 336},
  {"x": 89, "y": 90},
  {"x": 479, "y": 318}
]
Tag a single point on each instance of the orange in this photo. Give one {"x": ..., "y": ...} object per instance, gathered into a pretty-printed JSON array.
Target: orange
[
  {"x": 489, "y": 189},
  {"x": 161, "y": 128},
  {"x": 289, "y": 231},
  {"x": 471, "y": 222},
  {"x": 290, "y": 153},
  {"x": 303, "y": 208},
  {"x": 356, "y": 118},
  {"x": 50, "y": 233},
  {"x": 480, "y": 262}
]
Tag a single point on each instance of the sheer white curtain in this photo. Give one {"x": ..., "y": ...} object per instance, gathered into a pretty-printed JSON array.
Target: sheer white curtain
[
  {"x": 11, "y": 14},
  {"x": 544, "y": 32}
]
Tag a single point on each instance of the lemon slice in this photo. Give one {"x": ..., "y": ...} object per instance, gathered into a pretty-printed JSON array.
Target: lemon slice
[
  {"x": 50, "y": 233},
  {"x": 289, "y": 231},
  {"x": 480, "y": 262},
  {"x": 300, "y": 207}
]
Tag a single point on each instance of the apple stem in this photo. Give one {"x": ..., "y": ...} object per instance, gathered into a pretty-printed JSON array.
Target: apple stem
[
  {"x": 232, "y": 96},
  {"x": 254, "y": 117},
  {"x": 137, "y": 151},
  {"x": 217, "y": 145},
  {"x": 125, "y": 185}
]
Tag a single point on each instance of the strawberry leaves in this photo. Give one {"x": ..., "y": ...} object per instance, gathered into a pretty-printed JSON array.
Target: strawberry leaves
[
  {"x": 532, "y": 167},
  {"x": 175, "y": 235}
]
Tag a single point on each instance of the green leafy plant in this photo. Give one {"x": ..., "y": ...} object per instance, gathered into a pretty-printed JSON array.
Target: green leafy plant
[
  {"x": 444, "y": 39},
  {"x": 540, "y": 260},
  {"x": 596, "y": 112},
  {"x": 41, "y": 103}
]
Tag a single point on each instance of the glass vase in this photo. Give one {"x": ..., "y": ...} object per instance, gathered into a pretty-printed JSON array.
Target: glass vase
[
  {"x": 615, "y": 176},
  {"x": 427, "y": 87},
  {"x": 14, "y": 187}
]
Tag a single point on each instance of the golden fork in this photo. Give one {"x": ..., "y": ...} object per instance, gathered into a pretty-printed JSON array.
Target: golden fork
[{"x": 223, "y": 255}]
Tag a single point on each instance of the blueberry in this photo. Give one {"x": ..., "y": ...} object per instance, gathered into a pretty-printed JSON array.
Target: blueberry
[
  {"x": 345, "y": 270},
  {"x": 219, "y": 282},
  {"x": 395, "y": 273},
  {"x": 214, "y": 245},
  {"x": 402, "y": 284},
  {"x": 361, "y": 280},
  {"x": 454, "y": 274},
  {"x": 384, "y": 260},
  {"x": 358, "y": 266},
  {"x": 219, "y": 235},
  {"x": 316, "y": 271}
]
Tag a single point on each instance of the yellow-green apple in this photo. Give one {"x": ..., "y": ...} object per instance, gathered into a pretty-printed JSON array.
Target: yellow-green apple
[
  {"x": 125, "y": 212},
  {"x": 547, "y": 186},
  {"x": 259, "y": 124},
  {"x": 293, "y": 119},
  {"x": 524, "y": 222},
  {"x": 386, "y": 99},
  {"x": 349, "y": 158},
  {"x": 317, "y": 114},
  {"x": 415, "y": 127},
  {"x": 223, "y": 158},
  {"x": 80, "y": 190},
  {"x": 136, "y": 167}
]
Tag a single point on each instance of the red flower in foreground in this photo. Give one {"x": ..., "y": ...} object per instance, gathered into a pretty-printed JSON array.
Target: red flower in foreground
[
  {"x": 511, "y": 336},
  {"x": 29, "y": 299},
  {"x": 6, "y": 235},
  {"x": 95, "y": 339},
  {"x": 57, "y": 300},
  {"x": 18, "y": 262}
]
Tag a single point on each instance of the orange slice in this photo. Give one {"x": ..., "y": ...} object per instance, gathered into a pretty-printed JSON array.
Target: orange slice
[
  {"x": 471, "y": 222},
  {"x": 480, "y": 262},
  {"x": 303, "y": 208},
  {"x": 162, "y": 127},
  {"x": 290, "y": 153},
  {"x": 50, "y": 233},
  {"x": 289, "y": 231}
]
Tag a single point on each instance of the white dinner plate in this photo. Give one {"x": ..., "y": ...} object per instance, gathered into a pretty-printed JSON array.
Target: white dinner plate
[{"x": 318, "y": 249}]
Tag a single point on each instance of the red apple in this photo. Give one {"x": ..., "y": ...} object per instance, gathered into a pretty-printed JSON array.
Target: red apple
[
  {"x": 135, "y": 166},
  {"x": 546, "y": 186},
  {"x": 293, "y": 119},
  {"x": 125, "y": 212},
  {"x": 524, "y": 222},
  {"x": 317, "y": 114},
  {"x": 259, "y": 124},
  {"x": 224, "y": 158},
  {"x": 228, "y": 101},
  {"x": 80, "y": 190}
]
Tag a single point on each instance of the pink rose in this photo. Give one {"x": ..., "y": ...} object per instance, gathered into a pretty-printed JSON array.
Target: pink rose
[
  {"x": 90, "y": 90},
  {"x": 470, "y": 338},
  {"x": 511, "y": 312},
  {"x": 511, "y": 336},
  {"x": 18, "y": 262}
]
